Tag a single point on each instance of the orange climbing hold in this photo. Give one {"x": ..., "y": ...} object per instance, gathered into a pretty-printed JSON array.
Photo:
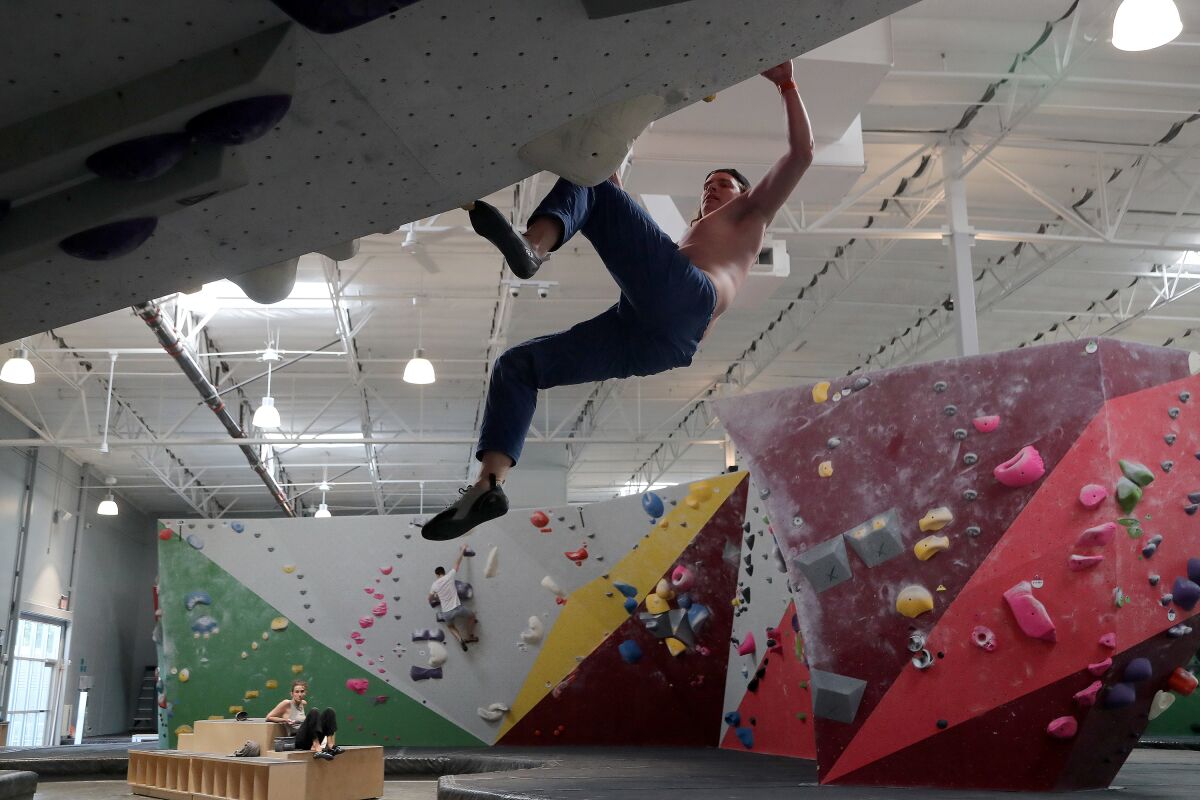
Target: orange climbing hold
[
  {"x": 578, "y": 556},
  {"x": 539, "y": 519}
]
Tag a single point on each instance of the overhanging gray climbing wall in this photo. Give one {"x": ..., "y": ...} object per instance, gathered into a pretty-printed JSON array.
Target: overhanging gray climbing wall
[{"x": 393, "y": 120}]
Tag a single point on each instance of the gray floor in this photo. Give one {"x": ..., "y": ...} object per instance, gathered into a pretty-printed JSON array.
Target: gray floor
[{"x": 424, "y": 789}]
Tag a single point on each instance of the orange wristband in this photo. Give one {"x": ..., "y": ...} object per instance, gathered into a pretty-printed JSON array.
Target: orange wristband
[{"x": 785, "y": 85}]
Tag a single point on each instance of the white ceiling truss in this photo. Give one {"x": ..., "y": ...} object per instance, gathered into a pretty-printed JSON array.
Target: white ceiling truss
[{"x": 1081, "y": 173}]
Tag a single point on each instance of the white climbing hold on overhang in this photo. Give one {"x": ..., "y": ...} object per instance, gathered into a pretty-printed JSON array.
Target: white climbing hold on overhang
[
  {"x": 534, "y": 633},
  {"x": 493, "y": 563}
]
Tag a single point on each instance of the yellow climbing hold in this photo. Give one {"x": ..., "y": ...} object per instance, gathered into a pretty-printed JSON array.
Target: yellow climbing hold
[
  {"x": 825, "y": 469},
  {"x": 278, "y": 624},
  {"x": 289, "y": 568},
  {"x": 708, "y": 98},
  {"x": 655, "y": 604},
  {"x": 930, "y": 546},
  {"x": 821, "y": 392},
  {"x": 183, "y": 729},
  {"x": 878, "y": 523},
  {"x": 215, "y": 716},
  {"x": 935, "y": 519},
  {"x": 235, "y": 710},
  {"x": 664, "y": 524},
  {"x": 674, "y": 645},
  {"x": 184, "y": 675},
  {"x": 663, "y": 589},
  {"x": 913, "y": 601},
  {"x": 297, "y": 669},
  {"x": 245, "y": 654},
  {"x": 271, "y": 683},
  {"x": 266, "y": 636},
  {"x": 254, "y": 645},
  {"x": 251, "y": 694},
  {"x": 859, "y": 533},
  {"x": 941, "y": 587}
]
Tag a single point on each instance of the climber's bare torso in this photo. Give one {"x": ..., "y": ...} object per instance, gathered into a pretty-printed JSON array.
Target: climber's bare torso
[{"x": 724, "y": 245}]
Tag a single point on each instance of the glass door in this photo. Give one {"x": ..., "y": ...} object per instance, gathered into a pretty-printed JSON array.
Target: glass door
[{"x": 34, "y": 666}]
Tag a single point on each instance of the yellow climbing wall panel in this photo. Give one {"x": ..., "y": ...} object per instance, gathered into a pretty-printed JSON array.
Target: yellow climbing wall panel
[{"x": 590, "y": 615}]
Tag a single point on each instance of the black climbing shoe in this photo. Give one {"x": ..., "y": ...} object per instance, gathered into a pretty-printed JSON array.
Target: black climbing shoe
[
  {"x": 464, "y": 646},
  {"x": 477, "y": 505},
  {"x": 489, "y": 223},
  {"x": 335, "y": 750},
  {"x": 324, "y": 755}
]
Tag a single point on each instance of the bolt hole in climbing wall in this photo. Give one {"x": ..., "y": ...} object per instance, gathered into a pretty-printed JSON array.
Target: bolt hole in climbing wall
[
  {"x": 633, "y": 598},
  {"x": 996, "y": 560}
]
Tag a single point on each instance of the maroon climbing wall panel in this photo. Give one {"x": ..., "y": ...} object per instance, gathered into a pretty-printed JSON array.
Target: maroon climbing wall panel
[
  {"x": 670, "y": 701},
  {"x": 905, "y": 441},
  {"x": 777, "y": 707}
]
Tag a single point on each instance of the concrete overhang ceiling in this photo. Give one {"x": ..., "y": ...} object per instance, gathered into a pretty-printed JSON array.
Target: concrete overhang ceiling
[{"x": 407, "y": 115}]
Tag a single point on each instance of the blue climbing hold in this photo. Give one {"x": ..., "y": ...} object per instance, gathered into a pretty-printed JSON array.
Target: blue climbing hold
[
  {"x": 625, "y": 589},
  {"x": 630, "y": 651},
  {"x": 746, "y": 737},
  {"x": 698, "y": 616},
  {"x": 196, "y": 598},
  {"x": 684, "y": 600},
  {"x": 795, "y": 623},
  {"x": 241, "y": 121},
  {"x": 142, "y": 159},
  {"x": 652, "y": 504},
  {"x": 110, "y": 241},
  {"x": 631, "y": 604},
  {"x": 733, "y": 719},
  {"x": 237, "y": 527},
  {"x": 206, "y": 624},
  {"x": 1138, "y": 670}
]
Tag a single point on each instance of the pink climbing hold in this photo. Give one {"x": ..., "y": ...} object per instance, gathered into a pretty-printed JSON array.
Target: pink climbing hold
[
  {"x": 380, "y": 609},
  {"x": 356, "y": 637},
  {"x": 1031, "y": 615},
  {"x": 747, "y": 646},
  {"x": 1092, "y": 495},
  {"x": 386, "y": 570},
  {"x": 1086, "y": 698},
  {"x": 1098, "y": 536},
  {"x": 357, "y": 685},
  {"x": 1022, "y": 469},
  {"x": 365, "y": 622},
  {"x": 984, "y": 638},
  {"x": 681, "y": 578},
  {"x": 1109, "y": 640},
  {"x": 1079, "y": 563},
  {"x": 1063, "y": 728},
  {"x": 1100, "y": 667},
  {"x": 986, "y": 424},
  {"x": 378, "y": 595},
  {"x": 369, "y": 590}
]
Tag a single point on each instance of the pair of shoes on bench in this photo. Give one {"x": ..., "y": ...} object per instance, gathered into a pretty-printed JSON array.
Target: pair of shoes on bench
[{"x": 327, "y": 753}]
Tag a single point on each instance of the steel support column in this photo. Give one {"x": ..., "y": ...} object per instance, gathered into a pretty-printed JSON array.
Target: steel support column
[{"x": 960, "y": 240}]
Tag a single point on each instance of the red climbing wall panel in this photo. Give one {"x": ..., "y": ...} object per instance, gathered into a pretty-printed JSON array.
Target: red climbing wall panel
[
  {"x": 905, "y": 441},
  {"x": 778, "y": 706},
  {"x": 662, "y": 699}
]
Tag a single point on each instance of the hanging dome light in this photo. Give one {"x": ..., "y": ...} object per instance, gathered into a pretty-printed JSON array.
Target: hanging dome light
[
  {"x": 1145, "y": 24},
  {"x": 267, "y": 415},
  {"x": 323, "y": 511},
  {"x": 418, "y": 369},
  {"x": 107, "y": 507},
  {"x": 17, "y": 369}
]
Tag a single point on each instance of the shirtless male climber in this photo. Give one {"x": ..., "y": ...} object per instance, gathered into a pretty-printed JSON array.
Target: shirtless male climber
[{"x": 670, "y": 294}]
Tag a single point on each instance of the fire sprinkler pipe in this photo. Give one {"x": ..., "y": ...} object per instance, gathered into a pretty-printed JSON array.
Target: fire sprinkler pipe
[{"x": 151, "y": 314}]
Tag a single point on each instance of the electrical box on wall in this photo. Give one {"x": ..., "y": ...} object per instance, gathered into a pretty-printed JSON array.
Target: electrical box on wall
[{"x": 769, "y": 272}]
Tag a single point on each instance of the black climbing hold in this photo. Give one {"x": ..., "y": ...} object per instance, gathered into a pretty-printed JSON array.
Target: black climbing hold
[
  {"x": 746, "y": 594},
  {"x": 110, "y": 241},
  {"x": 1191, "y": 510},
  {"x": 940, "y": 387},
  {"x": 973, "y": 530},
  {"x": 1167, "y": 466},
  {"x": 942, "y": 724},
  {"x": 139, "y": 159},
  {"x": 747, "y": 559},
  {"x": 749, "y": 569},
  {"x": 752, "y": 686},
  {"x": 746, "y": 527},
  {"x": 1170, "y": 438},
  {"x": 1194, "y": 497},
  {"x": 753, "y": 721},
  {"x": 795, "y": 623},
  {"x": 241, "y": 121},
  {"x": 960, "y": 433},
  {"x": 970, "y": 494},
  {"x": 950, "y": 411},
  {"x": 970, "y": 459},
  {"x": 1173, "y": 412},
  {"x": 750, "y": 542},
  {"x": 1185, "y": 396},
  {"x": 860, "y": 384},
  {"x": 335, "y": 16}
]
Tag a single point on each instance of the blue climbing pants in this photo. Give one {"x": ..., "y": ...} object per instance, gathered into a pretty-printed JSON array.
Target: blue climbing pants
[{"x": 665, "y": 306}]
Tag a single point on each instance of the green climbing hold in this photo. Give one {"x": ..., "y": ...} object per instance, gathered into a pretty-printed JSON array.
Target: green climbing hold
[
  {"x": 800, "y": 715},
  {"x": 1129, "y": 522},
  {"x": 1138, "y": 473},
  {"x": 803, "y": 684},
  {"x": 1129, "y": 494}
]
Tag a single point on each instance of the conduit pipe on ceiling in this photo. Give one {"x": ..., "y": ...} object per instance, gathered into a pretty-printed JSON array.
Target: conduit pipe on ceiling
[{"x": 151, "y": 314}]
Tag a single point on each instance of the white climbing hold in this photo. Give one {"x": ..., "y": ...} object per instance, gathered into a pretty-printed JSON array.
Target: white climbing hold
[
  {"x": 494, "y": 712},
  {"x": 588, "y": 149},
  {"x": 1194, "y": 362},
  {"x": 493, "y": 563},
  {"x": 549, "y": 583},
  {"x": 437, "y": 654},
  {"x": 534, "y": 633},
  {"x": 1161, "y": 702}
]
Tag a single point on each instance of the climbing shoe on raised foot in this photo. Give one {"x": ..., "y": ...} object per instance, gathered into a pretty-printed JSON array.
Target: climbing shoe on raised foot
[
  {"x": 489, "y": 223},
  {"x": 477, "y": 505}
]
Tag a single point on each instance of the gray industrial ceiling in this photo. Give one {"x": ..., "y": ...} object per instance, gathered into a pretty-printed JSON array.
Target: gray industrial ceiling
[{"x": 1081, "y": 176}]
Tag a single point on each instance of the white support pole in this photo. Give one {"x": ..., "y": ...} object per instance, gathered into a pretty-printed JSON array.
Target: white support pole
[{"x": 960, "y": 240}]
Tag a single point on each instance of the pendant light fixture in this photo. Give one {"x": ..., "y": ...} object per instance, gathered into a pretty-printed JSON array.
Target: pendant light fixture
[
  {"x": 419, "y": 370},
  {"x": 267, "y": 416},
  {"x": 108, "y": 506},
  {"x": 1146, "y": 24},
  {"x": 18, "y": 369},
  {"x": 323, "y": 508}
]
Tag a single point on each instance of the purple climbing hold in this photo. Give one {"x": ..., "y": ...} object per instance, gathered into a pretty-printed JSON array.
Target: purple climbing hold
[
  {"x": 1138, "y": 670},
  {"x": 1185, "y": 593},
  {"x": 141, "y": 159},
  {"x": 746, "y": 737},
  {"x": 335, "y": 16},
  {"x": 630, "y": 651},
  {"x": 1193, "y": 570},
  {"x": 795, "y": 623},
  {"x": 1120, "y": 695},
  {"x": 110, "y": 241},
  {"x": 425, "y": 673},
  {"x": 241, "y": 121}
]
